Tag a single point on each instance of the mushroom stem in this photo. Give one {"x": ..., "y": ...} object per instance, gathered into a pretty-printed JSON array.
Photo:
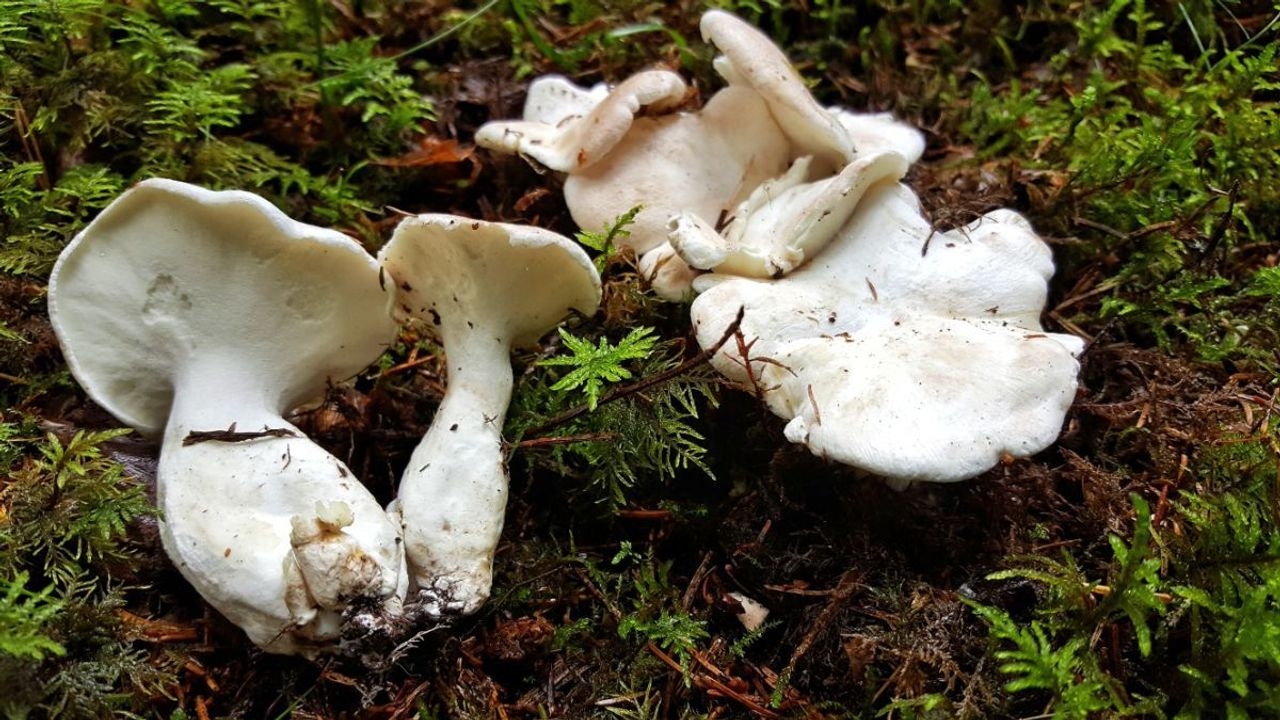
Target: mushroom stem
[
  {"x": 453, "y": 494},
  {"x": 302, "y": 510},
  {"x": 480, "y": 288}
]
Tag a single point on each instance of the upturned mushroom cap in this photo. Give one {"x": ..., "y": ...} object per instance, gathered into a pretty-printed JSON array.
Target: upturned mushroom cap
[
  {"x": 553, "y": 100},
  {"x": 555, "y": 133},
  {"x": 171, "y": 273},
  {"x": 881, "y": 132},
  {"x": 751, "y": 59},
  {"x": 913, "y": 354},
  {"x": 702, "y": 163},
  {"x": 513, "y": 281},
  {"x": 785, "y": 221}
]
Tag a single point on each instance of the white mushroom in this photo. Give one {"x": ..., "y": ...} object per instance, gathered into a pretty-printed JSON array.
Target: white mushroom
[
  {"x": 752, "y": 614},
  {"x": 482, "y": 288},
  {"x": 721, "y": 167},
  {"x": 202, "y": 317},
  {"x": 912, "y": 354},
  {"x": 703, "y": 163},
  {"x": 557, "y": 133},
  {"x": 881, "y": 132},
  {"x": 553, "y": 100},
  {"x": 784, "y": 222},
  {"x": 750, "y": 59}
]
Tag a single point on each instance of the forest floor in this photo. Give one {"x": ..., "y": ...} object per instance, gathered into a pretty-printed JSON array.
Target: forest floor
[{"x": 1131, "y": 569}]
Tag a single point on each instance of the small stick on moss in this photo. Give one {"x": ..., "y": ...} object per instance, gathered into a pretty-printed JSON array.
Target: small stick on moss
[
  {"x": 849, "y": 583},
  {"x": 30, "y": 146},
  {"x": 407, "y": 365},
  {"x": 645, "y": 383},
  {"x": 642, "y": 514},
  {"x": 1105, "y": 591},
  {"x": 156, "y": 631},
  {"x": 565, "y": 440}
]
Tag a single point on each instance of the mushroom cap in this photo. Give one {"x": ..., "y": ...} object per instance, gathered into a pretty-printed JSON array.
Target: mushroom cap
[
  {"x": 702, "y": 163},
  {"x": 750, "y": 58},
  {"x": 558, "y": 135},
  {"x": 913, "y": 354},
  {"x": 552, "y": 100},
  {"x": 785, "y": 221},
  {"x": 881, "y": 132},
  {"x": 171, "y": 277},
  {"x": 667, "y": 273},
  {"x": 514, "y": 281},
  {"x": 937, "y": 399}
]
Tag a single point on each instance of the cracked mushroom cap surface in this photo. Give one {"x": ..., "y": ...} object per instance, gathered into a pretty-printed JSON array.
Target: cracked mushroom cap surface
[
  {"x": 170, "y": 275},
  {"x": 908, "y": 353},
  {"x": 461, "y": 275}
]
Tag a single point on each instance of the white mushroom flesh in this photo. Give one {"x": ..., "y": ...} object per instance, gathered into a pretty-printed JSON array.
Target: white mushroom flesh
[
  {"x": 715, "y": 172},
  {"x": 785, "y": 221},
  {"x": 750, "y": 59}
]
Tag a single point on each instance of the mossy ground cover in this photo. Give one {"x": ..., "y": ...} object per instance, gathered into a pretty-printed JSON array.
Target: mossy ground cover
[{"x": 1133, "y": 569}]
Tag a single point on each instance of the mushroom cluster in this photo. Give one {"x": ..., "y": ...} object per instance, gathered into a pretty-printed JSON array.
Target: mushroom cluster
[
  {"x": 913, "y": 354},
  {"x": 754, "y": 182},
  {"x": 910, "y": 353},
  {"x": 203, "y": 317}
]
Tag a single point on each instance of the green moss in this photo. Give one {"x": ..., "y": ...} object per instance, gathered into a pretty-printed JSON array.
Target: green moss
[{"x": 64, "y": 536}]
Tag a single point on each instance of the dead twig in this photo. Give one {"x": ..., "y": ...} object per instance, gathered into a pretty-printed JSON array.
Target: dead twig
[
  {"x": 230, "y": 435},
  {"x": 707, "y": 682},
  {"x": 30, "y": 146},
  {"x": 849, "y": 583},
  {"x": 641, "y": 514},
  {"x": 407, "y": 365},
  {"x": 157, "y": 631},
  {"x": 565, "y": 440}
]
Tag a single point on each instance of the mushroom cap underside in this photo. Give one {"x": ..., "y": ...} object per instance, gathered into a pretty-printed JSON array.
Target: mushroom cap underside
[
  {"x": 514, "y": 281},
  {"x": 703, "y": 163},
  {"x": 172, "y": 278}
]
